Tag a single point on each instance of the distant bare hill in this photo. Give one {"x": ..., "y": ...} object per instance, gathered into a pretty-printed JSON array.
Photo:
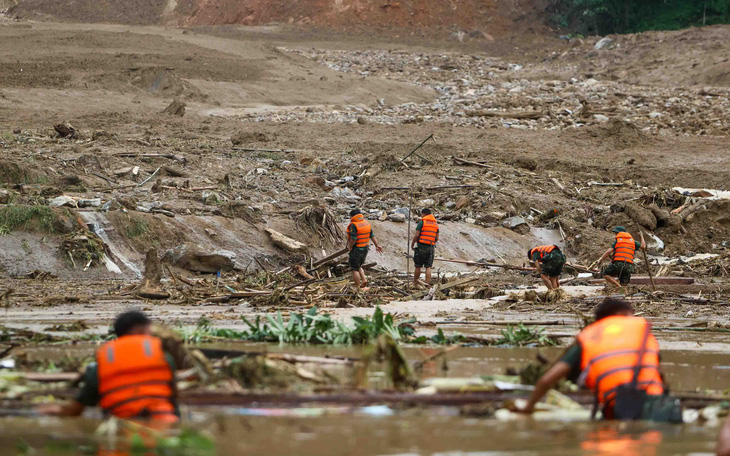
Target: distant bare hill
[{"x": 478, "y": 19}]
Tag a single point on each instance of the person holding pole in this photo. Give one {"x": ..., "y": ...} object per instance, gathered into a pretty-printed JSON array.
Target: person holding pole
[{"x": 423, "y": 245}]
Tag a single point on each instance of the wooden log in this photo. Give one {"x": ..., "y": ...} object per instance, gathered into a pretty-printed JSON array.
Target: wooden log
[
  {"x": 446, "y": 286},
  {"x": 329, "y": 258},
  {"x": 644, "y": 280},
  {"x": 467, "y": 162},
  {"x": 506, "y": 114},
  {"x": 486, "y": 265},
  {"x": 285, "y": 242}
]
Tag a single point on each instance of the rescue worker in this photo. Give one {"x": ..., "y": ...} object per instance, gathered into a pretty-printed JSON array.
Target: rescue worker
[
  {"x": 549, "y": 261},
  {"x": 604, "y": 359},
  {"x": 723, "y": 441},
  {"x": 132, "y": 378},
  {"x": 359, "y": 235},
  {"x": 424, "y": 245},
  {"x": 622, "y": 258}
]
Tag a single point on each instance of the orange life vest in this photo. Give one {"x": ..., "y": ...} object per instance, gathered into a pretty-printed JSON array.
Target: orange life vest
[
  {"x": 610, "y": 349},
  {"x": 429, "y": 230},
  {"x": 543, "y": 249},
  {"x": 363, "y": 230},
  {"x": 135, "y": 379},
  {"x": 625, "y": 248}
]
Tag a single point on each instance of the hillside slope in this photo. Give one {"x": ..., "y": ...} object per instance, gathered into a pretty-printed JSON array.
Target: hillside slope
[{"x": 477, "y": 18}]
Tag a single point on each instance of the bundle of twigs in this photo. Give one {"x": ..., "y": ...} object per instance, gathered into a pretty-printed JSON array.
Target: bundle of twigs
[{"x": 320, "y": 221}]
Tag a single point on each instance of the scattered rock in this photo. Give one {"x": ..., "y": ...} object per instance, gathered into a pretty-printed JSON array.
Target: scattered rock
[
  {"x": 243, "y": 137},
  {"x": 176, "y": 108},
  {"x": 92, "y": 202},
  {"x": 396, "y": 217},
  {"x": 193, "y": 257},
  {"x": 517, "y": 224},
  {"x": 4, "y": 197},
  {"x": 63, "y": 200},
  {"x": 605, "y": 44},
  {"x": 66, "y": 130},
  {"x": 527, "y": 163},
  {"x": 462, "y": 202}
]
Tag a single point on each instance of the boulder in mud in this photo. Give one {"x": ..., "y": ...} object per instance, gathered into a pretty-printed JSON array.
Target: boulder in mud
[
  {"x": 527, "y": 163},
  {"x": 641, "y": 215},
  {"x": 65, "y": 130},
  {"x": 243, "y": 137},
  {"x": 605, "y": 43},
  {"x": 195, "y": 258},
  {"x": 176, "y": 108},
  {"x": 517, "y": 224},
  {"x": 4, "y": 197}
]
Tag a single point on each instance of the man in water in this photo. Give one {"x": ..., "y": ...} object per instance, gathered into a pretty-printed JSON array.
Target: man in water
[
  {"x": 132, "y": 377},
  {"x": 604, "y": 359}
]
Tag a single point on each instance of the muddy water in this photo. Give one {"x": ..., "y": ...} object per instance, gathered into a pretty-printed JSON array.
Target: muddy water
[
  {"x": 684, "y": 370},
  {"x": 420, "y": 432},
  {"x": 381, "y": 430}
]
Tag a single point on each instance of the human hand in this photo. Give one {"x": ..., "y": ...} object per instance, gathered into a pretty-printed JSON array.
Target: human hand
[
  {"x": 49, "y": 409},
  {"x": 522, "y": 406},
  {"x": 379, "y": 249}
]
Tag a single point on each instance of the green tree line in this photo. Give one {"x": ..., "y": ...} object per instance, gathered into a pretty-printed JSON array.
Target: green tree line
[{"x": 604, "y": 17}]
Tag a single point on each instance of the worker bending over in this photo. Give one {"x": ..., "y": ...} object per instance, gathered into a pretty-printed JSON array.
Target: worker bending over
[
  {"x": 132, "y": 378},
  {"x": 549, "y": 261},
  {"x": 605, "y": 359},
  {"x": 424, "y": 245},
  {"x": 359, "y": 235},
  {"x": 622, "y": 258}
]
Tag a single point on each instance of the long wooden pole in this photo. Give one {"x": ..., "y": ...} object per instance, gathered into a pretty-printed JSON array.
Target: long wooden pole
[
  {"x": 646, "y": 260},
  {"x": 408, "y": 247}
]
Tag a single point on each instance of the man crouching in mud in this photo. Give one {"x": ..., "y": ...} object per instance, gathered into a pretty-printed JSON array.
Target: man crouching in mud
[
  {"x": 605, "y": 359},
  {"x": 359, "y": 235},
  {"x": 132, "y": 378}
]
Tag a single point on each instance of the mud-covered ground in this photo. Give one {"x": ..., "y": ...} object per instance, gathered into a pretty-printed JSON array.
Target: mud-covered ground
[{"x": 570, "y": 140}]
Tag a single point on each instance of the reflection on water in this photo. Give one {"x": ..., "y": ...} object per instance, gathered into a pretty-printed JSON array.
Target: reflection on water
[{"x": 409, "y": 432}]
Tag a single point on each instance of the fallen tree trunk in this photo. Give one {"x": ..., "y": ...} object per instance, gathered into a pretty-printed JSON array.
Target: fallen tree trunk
[
  {"x": 285, "y": 242},
  {"x": 486, "y": 265},
  {"x": 506, "y": 114}
]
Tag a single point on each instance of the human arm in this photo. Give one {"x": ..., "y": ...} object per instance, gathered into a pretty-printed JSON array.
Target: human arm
[
  {"x": 71, "y": 408},
  {"x": 351, "y": 236},
  {"x": 608, "y": 253},
  {"x": 641, "y": 245},
  {"x": 87, "y": 396},
  {"x": 723, "y": 440},
  {"x": 548, "y": 380},
  {"x": 378, "y": 248},
  {"x": 419, "y": 227}
]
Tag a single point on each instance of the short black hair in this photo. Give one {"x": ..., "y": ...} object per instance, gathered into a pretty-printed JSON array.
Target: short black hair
[
  {"x": 529, "y": 254},
  {"x": 610, "y": 307},
  {"x": 354, "y": 212},
  {"x": 425, "y": 211},
  {"x": 126, "y": 321}
]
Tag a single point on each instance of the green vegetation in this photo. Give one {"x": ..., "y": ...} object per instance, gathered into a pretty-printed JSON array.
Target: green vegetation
[
  {"x": 604, "y": 17},
  {"x": 311, "y": 327},
  {"x": 14, "y": 217},
  {"x": 136, "y": 227},
  {"x": 522, "y": 335},
  {"x": 320, "y": 328}
]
